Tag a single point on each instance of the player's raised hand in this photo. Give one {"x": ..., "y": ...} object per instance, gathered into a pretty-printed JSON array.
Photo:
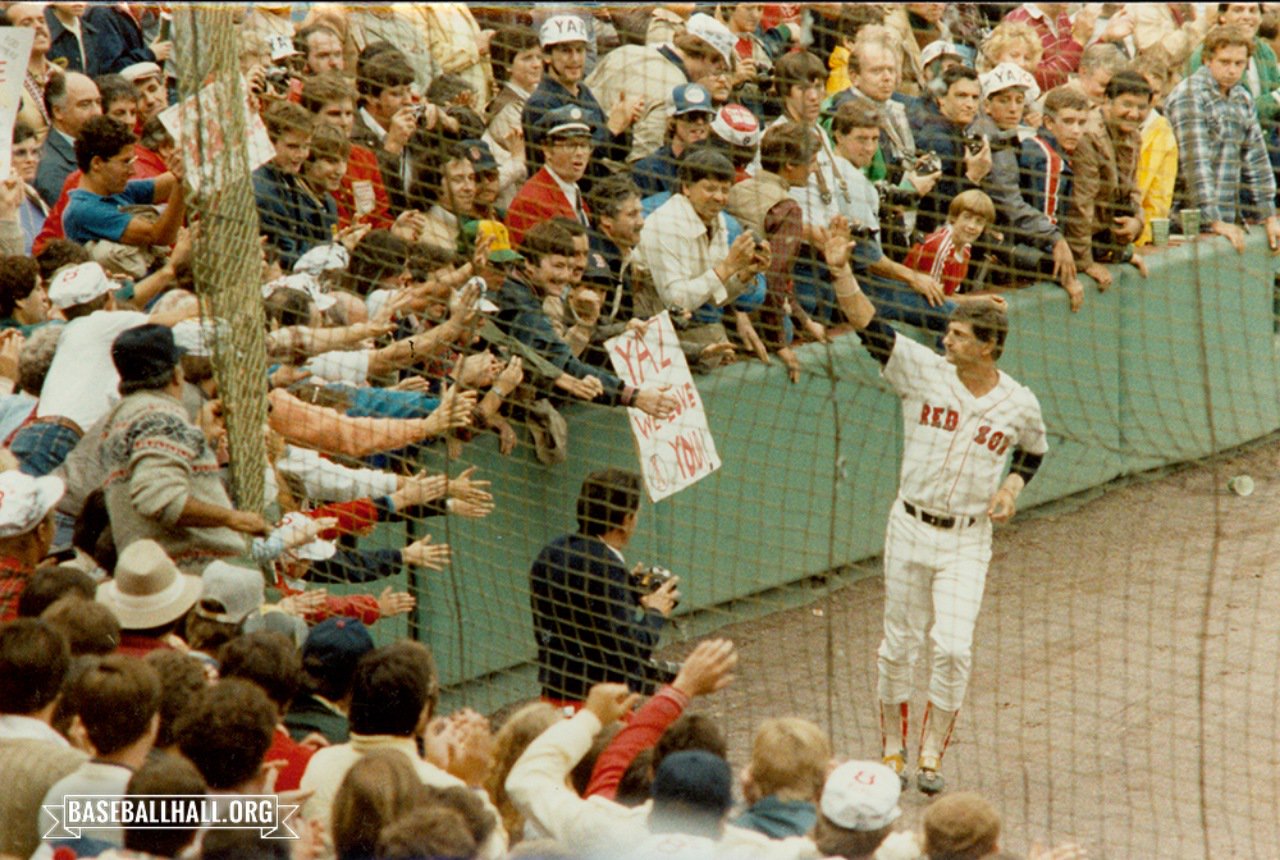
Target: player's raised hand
[
  {"x": 708, "y": 668},
  {"x": 610, "y": 702}
]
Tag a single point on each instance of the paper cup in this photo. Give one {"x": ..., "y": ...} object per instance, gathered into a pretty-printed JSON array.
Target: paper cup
[
  {"x": 1190, "y": 222},
  {"x": 1241, "y": 485},
  {"x": 1159, "y": 231}
]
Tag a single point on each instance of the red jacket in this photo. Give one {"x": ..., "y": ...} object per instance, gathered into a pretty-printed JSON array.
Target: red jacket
[
  {"x": 642, "y": 732},
  {"x": 14, "y": 576},
  {"x": 362, "y": 166},
  {"x": 285, "y": 748},
  {"x": 1061, "y": 51},
  {"x": 540, "y": 199}
]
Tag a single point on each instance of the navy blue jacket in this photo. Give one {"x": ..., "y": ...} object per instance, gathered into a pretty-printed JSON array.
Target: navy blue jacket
[
  {"x": 586, "y": 619},
  {"x": 551, "y": 94},
  {"x": 656, "y": 173},
  {"x": 289, "y": 216},
  {"x": 1045, "y": 172},
  {"x": 941, "y": 135},
  {"x": 62, "y": 45},
  {"x": 520, "y": 316},
  {"x": 118, "y": 40}
]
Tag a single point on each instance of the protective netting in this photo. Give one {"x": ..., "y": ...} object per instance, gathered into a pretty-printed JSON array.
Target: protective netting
[{"x": 551, "y": 304}]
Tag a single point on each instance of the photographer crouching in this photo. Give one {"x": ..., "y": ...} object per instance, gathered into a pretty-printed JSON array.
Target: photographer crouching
[{"x": 595, "y": 621}]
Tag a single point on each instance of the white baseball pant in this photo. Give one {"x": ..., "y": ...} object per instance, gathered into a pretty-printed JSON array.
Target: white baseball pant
[{"x": 937, "y": 574}]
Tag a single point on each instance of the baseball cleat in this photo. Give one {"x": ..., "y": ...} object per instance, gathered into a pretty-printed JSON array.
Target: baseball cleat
[
  {"x": 928, "y": 780},
  {"x": 898, "y": 762}
]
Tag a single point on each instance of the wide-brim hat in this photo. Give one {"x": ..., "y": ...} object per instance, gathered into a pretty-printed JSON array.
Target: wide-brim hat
[{"x": 148, "y": 589}]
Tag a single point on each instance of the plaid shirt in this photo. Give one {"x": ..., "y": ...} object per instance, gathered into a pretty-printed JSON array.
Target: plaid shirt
[{"x": 1222, "y": 158}]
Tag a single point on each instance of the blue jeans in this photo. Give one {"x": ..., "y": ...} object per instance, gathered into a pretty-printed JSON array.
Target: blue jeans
[
  {"x": 41, "y": 447},
  {"x": 896, "y": 301}
]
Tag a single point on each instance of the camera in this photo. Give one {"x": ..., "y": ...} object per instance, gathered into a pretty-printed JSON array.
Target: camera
[
  {"x": 647, "y": 580},
  {"x": 278, "y": 78},
  {"x": 862, "y": 231},
  {"x": 755, "y": 234},
  {"x": 974, "y": 143},
  {"x": 927, "y": 163}
]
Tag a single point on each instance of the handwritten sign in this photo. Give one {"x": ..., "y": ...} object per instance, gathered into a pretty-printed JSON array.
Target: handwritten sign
[
  {"x": 196, "y": 125},
  {"x": 15, "y": 51},
  {"x": 675, "y": 452}
]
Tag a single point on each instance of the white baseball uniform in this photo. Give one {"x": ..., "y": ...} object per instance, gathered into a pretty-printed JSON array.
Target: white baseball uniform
[{"x": 938, "y": 542}]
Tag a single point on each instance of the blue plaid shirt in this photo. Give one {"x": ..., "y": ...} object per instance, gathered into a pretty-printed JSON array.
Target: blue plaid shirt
[{"x": 1221, "y": 154}]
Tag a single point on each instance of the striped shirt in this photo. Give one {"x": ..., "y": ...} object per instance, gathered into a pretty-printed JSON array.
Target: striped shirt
[
  {"x": 941, "y": 258},
  {"x": 1222, "y": 158}
]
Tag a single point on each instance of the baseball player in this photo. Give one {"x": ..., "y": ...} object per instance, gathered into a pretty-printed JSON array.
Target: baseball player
[{"x": 963, "y": 420}]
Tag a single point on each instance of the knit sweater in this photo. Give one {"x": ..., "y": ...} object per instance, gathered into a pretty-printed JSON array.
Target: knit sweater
[
  {"x": 30, "y": 769},
  {"x": 155, "y": 461}
]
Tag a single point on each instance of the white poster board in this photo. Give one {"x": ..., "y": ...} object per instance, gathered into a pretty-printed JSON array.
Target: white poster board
[
  {"x": 15, "y": 51},
  {"x": 678, "y": 451},
  {"x": 202, "y": 153}
]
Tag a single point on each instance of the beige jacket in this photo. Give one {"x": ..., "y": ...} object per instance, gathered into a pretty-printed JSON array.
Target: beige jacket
[{"x": 638, "y": 70}]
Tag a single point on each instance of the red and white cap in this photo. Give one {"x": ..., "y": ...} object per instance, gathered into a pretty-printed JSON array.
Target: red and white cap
[
  {"x": 79, "y": 285},
  {"x": 559, "y": 29},
  {"x": 25, "y": 501},
  {"x": 734, "y": 124}
]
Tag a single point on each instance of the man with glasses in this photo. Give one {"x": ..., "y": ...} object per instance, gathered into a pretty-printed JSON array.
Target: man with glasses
[
  {"x": 553, "y": 191},
  {"x": 96, "y": 210}
]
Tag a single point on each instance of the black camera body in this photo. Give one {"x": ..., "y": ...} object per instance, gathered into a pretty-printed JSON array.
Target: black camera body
[
  {"x": 974, "y": 143},
  {"x": 647, "y": 580},
  {"x": 927, "y": 162}
]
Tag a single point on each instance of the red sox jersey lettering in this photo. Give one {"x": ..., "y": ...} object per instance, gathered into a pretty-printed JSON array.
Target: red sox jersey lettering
[{"x": 956, "y": 445}]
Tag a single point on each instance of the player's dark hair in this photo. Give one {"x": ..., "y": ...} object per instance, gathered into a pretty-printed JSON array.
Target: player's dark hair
[
  {"x": 506, "y": 44},
  {"x": 990, "y": 323},
  {"x": 34, "y": 660},
  {"x": 102, "y": 137},
  {"x": 388, "y": 693},
  {"x": 957, "y": 73},
  {"x": 786, "y": 144},
  {"x": 606, "y": 498},
  {"x": 1128, "y": 83},
  {"x": 546, "y": 239},
  {"x": 115, "y": 88},
  {"x": 115, "y": 700},
  {"x": 609, "y": 194},
  {"x": 384, "y": 70},
  {"x": 19, "y": 277},
  {"x": 227, "y": 731},
  {"x": 181, "y": 678},
  {"x": 267, "y": 659},
  {"x": 49, "y": 584},
  {"x": 170, "y": 775},
  {"x": 704, "y": 163}
]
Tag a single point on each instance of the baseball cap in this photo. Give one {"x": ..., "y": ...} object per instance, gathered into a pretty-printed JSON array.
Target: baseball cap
[
  {"x": 25, "y": 501},
  {"x": 316, "y": 550},
  {"x": 337, "y": 640},
  {"x": 79, "y": 285},
  {"x": 715, "y": 34},
  {"x": 148, "y": 590},
  {"x": 597, "y": 270},
  {"x": 138, "y": 71},
  {"x": 272, "y": 620},
  {"x": 144, "y": 352},
  {"x": 1005, "y": 76},
  {"x": 281, "y": 47},
  {"x": 196, "y": 337},
  {"x": 480, "y": 155},
  {"x": 940, "y": 48},
  {"x": 691, "y": 98},
  {"x": 861, "y": 795},
  {"x": 229, "y": 594},
  {"x": 500, "y": 250},
  {"x": 565, "y": 121},
  {"x": 319, "y": 259},
  {"x": 559, "y": 29},
  {"x": 696, "y": 779},
  {"x": 734, "y": 124},
  {"x": 307, "y": 283}
]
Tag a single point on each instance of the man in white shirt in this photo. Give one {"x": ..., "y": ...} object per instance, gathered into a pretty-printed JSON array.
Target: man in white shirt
[{"x": 81, "y": 384}]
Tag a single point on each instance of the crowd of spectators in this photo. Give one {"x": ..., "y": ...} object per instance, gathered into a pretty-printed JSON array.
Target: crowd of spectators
[{"x": 462, "y": 206}]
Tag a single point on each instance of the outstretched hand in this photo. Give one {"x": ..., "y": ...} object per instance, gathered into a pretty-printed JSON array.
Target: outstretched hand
[{"x": 708, "y": 668}]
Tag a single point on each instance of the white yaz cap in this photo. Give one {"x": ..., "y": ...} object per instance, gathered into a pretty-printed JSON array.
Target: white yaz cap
[
  {"x": 78, "y": 285},
  {"x": 715, "y": 34},
  {"x": 559, "y": 29},
  {"x": 861, "y": 795},
  {"x": 25, "y": 501},
  {"x": 1005, "y": 76}
]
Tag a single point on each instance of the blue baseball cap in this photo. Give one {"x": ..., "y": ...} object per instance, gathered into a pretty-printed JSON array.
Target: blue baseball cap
[
  {"x": 692, "y": 98},
  {"x": 565, "y": 121}
]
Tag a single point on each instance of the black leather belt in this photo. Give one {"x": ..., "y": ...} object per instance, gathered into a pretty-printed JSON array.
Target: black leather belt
[{"x": 937, "y": 521}]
